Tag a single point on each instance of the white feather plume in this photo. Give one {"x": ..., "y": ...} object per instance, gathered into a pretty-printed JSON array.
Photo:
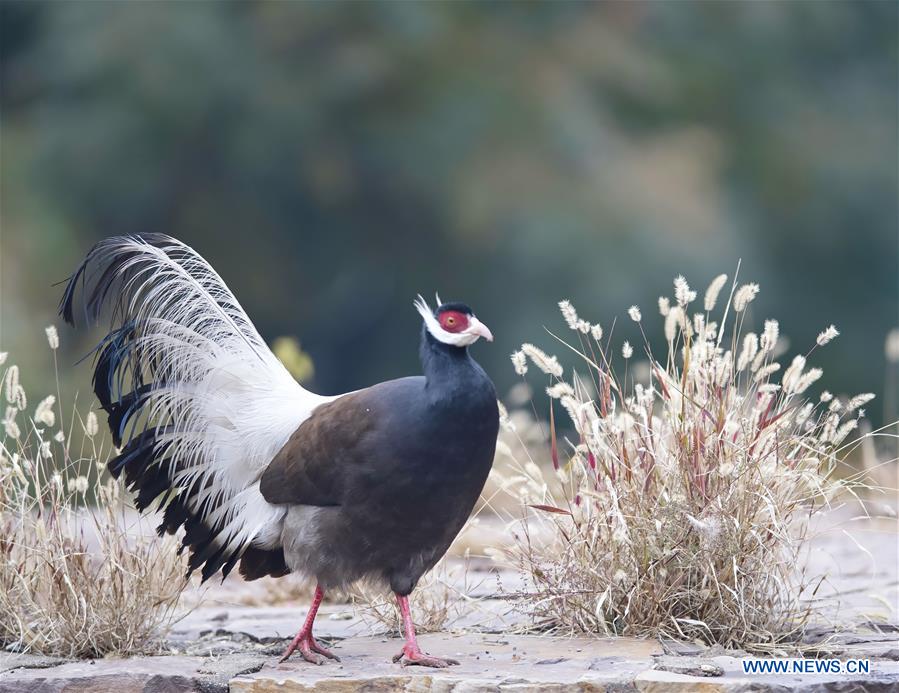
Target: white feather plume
[{"x": 229, "y": 403}]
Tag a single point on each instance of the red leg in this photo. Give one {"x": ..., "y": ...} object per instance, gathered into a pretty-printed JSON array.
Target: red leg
[
  {"x": 411, "y": 653},
  {"x": 307, "y": 645}
]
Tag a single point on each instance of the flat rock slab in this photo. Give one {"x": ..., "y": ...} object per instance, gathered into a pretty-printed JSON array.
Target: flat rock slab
[
  {"x": 488, "y": 663},
  {"x": 15, "y": 660},
  {"x": 166, "y": 674},
  {"x": 532, "y": 663}
]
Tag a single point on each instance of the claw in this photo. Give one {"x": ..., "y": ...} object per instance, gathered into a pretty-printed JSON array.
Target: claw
[
  {"x": 309, "y": 649},
  {"x": 323, "y": 651},
  {"x": 415, "y": 657}
]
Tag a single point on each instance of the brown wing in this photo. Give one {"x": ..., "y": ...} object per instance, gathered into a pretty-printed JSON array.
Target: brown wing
[{"x": 312, "y": 467}]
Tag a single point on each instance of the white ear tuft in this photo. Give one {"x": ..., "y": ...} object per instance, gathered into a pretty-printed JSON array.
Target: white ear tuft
[
  {"x": 437, "y": 298},
  {"x": 424, "y": 310}
]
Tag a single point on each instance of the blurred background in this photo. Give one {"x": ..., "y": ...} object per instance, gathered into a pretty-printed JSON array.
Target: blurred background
[{"x": 333, "y": 160}]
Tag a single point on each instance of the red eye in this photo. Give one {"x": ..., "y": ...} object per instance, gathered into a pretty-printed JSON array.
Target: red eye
[{"x": 453, "y": 321}]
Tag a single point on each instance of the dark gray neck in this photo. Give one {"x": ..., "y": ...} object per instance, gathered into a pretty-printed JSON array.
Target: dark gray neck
[
  {"x": 438, "y": 358},
  {"x": 454, "y": 379}
]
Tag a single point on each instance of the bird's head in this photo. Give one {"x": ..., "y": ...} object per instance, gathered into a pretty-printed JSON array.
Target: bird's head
[{"x": 452, "y": 323}]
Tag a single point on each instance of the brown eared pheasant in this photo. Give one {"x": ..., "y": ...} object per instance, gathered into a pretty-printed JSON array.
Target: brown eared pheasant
[{"x": 261, "y": 473}]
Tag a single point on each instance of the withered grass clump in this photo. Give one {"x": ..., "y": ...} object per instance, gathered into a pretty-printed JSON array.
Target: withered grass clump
[
  {"x": 680, "y": 505},
  {"x": 80, "y": 574}
]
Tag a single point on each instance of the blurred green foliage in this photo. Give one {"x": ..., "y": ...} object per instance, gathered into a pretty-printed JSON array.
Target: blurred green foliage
[
  {"x": 334, "y": 159},
  {"x": 297, "y": 362}
]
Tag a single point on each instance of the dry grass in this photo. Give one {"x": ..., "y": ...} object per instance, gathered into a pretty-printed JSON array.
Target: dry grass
[
  {"x": 80, "y": 574},
  {"x": 679, "y": 506},
  {"x": 441, "y": 598}
]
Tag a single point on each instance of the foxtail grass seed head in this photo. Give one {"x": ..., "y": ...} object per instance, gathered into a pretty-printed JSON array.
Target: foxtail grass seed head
[
  {"x": 519, "y": 362},
  {"x": 12, "y": 429},
  {"x": 711, "y": 293},
  {"x": 596, "y": 331},
  {"x": 627, "y": 350},
  {"x": 664, "y": 305},
  {"x": 43, "y": 413},
  {"x": 793, "y": 373},
  {"x": 839, "y": 435},
  {"x": 811, "y": 376},
  {"x": 682, "y": 292},
  {"x": 12, "y": 383},
  {"x": 571, "y": 406},
  {"x": 673, "y": 320},
  {"x": 21, "y": 400},
  {"x": 859, "y": 401},
  {"x": 750, "y": 349},
  {"x": 52, "y": 336},
  {"x": 548, "y": 364},
  {"x": 762, "y": 373},
  {"x": 723, "y": 369},
  {"x": 744, "y": 296},
  {"x": 91, "y": 426},
  {"x": 699, "y": 324},
  {"x": 560, "y": 390},
  {"x": 805, "y": 412},
  {"x": 827, "y": 335},
  {"x": 634, "y": 313},
  {"x": 569, "y": 313},
  {"x": 60, "y": 437},
  {"x": 770, "y": 335}
]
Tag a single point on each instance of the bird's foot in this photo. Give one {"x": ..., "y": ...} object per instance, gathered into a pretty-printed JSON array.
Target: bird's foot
[
  {"x": 309, "y": 649},
  {"x": 412, "y": 655}
]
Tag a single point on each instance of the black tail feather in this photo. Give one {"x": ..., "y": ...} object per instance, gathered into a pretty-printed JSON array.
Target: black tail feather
[
  {"x": 256, "y": 563},
  {"x": 122, "y": 412}
]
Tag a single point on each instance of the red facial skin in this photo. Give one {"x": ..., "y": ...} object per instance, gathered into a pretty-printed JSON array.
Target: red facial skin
[{"x": 453, "y": 321}]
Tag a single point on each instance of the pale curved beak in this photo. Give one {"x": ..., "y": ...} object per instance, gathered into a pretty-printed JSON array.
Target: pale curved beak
[{"x": 475, "y": 326}]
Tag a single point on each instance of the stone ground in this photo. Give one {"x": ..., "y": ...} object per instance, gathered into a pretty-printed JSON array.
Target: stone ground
[{"x": 232, "y": 639}]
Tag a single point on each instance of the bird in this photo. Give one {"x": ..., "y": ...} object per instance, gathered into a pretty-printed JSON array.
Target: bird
[{"x": 214, "y": 433}]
